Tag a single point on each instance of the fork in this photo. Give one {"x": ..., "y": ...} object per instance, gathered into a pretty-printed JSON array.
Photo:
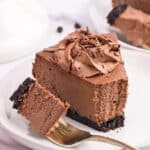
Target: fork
[{"x": 66, "y": 135}]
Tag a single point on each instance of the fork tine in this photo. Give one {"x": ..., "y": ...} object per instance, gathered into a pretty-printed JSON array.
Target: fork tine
[{"x": 66, "y": 135}]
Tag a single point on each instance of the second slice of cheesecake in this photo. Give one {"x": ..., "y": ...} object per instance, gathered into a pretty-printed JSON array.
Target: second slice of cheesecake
[{"x": 134, "y": 23}]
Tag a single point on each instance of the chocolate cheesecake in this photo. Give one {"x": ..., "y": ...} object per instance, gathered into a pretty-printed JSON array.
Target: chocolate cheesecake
[
  {"x": 143, "y": 5},
  {"x": 87, "y": 71},
  {"x": 38, "y": 105},
  {"x": 134, "y": 23}
]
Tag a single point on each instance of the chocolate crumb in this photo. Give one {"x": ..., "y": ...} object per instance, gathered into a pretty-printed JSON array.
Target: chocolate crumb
[
  {"x": 115, "y": 13},
  {"x": 59, "y": 29},
  {"x": 77, "y": 25},
  {"x": 111, "y": 124}
]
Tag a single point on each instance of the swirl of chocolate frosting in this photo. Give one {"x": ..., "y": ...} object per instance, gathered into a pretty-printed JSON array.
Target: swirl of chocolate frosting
[{"x": 86, "y": 54}]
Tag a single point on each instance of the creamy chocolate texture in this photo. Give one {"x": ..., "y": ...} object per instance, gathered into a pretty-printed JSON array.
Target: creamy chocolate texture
[
  {"x": 133, "y": 23},
  {"x": 85, "y": 54},
  {"x": 97, "y": 95},
  {"x": 143, "y": 5},
  {"x": 38, "y": 105}
]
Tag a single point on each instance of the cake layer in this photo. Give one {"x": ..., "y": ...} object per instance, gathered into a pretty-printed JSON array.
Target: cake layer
[
  {"x": 133, "y": 23},
  {"x": 143, "y": 5},
  {"x": 100, "y": 97},
  {"x": 38, "y": 105}
]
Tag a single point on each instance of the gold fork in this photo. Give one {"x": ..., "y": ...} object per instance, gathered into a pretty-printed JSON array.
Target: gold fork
[{"x": 66, "y": 135}]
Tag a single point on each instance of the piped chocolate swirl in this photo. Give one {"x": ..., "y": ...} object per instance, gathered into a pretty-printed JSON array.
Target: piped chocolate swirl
[{"x": 86, "y": 54}]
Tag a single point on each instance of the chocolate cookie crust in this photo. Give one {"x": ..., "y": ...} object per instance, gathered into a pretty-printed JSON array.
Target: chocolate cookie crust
[
  {"x": 115, "y": 13},
  {"x": 18, "y": 94}
]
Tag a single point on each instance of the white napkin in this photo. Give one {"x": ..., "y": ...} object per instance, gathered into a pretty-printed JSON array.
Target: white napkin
[
  {"x": 60, "y": 13},
  {"x": 68, "y": 10},
  {"x": 24, "y": 26},
  {"x": 66, "y": 13}
]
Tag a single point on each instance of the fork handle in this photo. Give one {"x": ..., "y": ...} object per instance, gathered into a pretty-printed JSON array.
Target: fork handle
[{"x": 112, "y": 142}]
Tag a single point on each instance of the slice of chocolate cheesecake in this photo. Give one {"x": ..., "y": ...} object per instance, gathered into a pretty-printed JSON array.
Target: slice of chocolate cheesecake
[
  {"x": 87, "y": 71},
  {"x": 133, "y": 23},
  {"x": 143, "y": 5},
  {"x": 38, "y": 105}
]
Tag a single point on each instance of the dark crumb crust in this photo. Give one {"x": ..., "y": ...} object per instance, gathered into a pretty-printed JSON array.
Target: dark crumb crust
[
  {"x": 109, "y": 125},
  {"x": 115, "y": 13},
  {"x": 17, "y": 96}
]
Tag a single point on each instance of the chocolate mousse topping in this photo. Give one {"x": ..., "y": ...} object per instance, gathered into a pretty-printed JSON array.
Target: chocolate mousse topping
[
  {"x": 18, "y": 95},
  {"x": 115, "y": 13},
  {"x": 85, "y": 54}
]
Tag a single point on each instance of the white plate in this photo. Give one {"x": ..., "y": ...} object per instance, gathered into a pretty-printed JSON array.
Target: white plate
[
  {"x": 137, "y": 123},
  {"x": 98, "y": 11}
]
